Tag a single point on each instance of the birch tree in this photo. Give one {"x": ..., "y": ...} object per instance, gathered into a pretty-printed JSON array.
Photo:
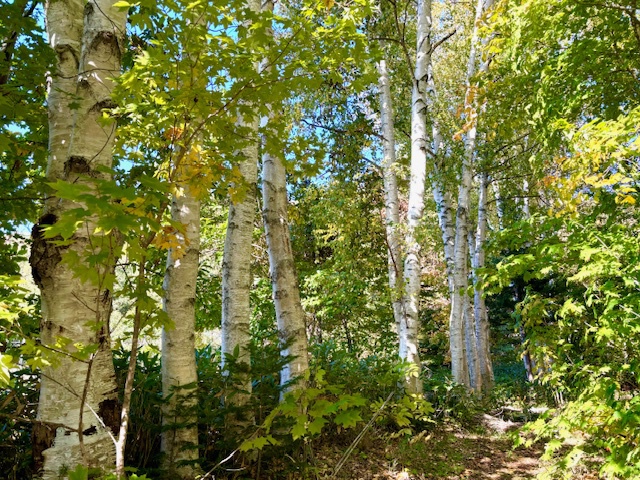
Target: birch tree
[
  {"x": 282, "y": 270},
  {"x": 78, "y": 407},
  {"x": 392, "y": 216},
  {"x": 179, "y": 372},
  {"x": 179, "y": 369},
  {"x": 286, "y": 292},
  {"x": 481, "y": 316},
  {"x": 409, "y": 327},
  {"x": 463, "y": 338},
  {"x": 236, "y": 262}
]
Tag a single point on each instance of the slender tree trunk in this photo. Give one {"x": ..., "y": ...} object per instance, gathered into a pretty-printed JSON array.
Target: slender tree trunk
[
  {"x": 284, "y": 279},
  {"x": 236, "y": 264},
  {"x": 461, "y": 269},
  {"x": 459, "y": 297},
  {"x": 485, "y": 366},
  {"x": 526, "y": 356},
  {"x": 441, "y": 197},
  {"x": 282, "y": 269},
  {"x": 471, "y": 340},
  {"x": 236, "y": 270},
  {"x": 179, "y": 371},
  {"x": 80, "y": 394},
  {"x": 499, "y": 203},
  {"x": 412, "y": 269},
  {"x": 392, "y": 216}
]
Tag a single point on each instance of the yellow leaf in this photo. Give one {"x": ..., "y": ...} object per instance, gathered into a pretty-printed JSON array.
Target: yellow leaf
[{"x": 626, "y": 199}]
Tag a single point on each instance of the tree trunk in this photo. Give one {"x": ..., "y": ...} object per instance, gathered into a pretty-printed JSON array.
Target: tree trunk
[
  {"x": 236, "y": 271},
  {"x": 461, "y": 269},
  {"x": 392, "y": 216},
  {"x": 526, "y": 356},
  {"x": 282, "y": 269},
  {"x": 480, "y": 308},
  {"x": 284, "y": 279},
  {"x": 236, "y": 262},
  {"x": 179, "y": 371},
  {"x": 412, "y": 269},
  {"x": 79, "y": 394}
]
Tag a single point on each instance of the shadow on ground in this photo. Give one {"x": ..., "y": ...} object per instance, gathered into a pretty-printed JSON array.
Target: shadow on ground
[{"x": 445, "y": 453}]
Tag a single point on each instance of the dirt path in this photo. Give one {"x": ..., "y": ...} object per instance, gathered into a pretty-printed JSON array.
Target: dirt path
[{"x": 445, "y": 453}]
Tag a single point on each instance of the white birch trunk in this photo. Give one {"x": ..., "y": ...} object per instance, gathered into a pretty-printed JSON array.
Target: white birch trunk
[
  {"x": 499, "y": 204},
  {"x": 236, "y": 270},
  {"x": 392, "y": 216},
  {"x": 529, "y": 365},
  {"x": 236, "y": 261},
  {"x": 179, "y": 371},
  {"x": 282, "y": 269},
  {"x": 441, "y": 197},
  {"x": 470, "y": 339},
  {"x": 483, "y": 339},
  {"x": 461, "y": 270},
  {"x": 179, "y": 440},
  {"x": 284, "y": 279},
  {"x": 412, "y": 268},
  {"x": 78, "y": 406}
]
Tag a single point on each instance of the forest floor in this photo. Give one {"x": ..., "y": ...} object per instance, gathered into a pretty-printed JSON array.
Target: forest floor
[{"x": 447, "y": 452}]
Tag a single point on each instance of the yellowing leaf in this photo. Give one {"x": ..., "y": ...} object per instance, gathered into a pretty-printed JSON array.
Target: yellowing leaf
[{"x": 621, "y": 199}]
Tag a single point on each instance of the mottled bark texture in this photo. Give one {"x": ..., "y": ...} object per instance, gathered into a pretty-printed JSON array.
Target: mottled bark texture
[
  {"x": 464, "y": 342},
  {"x": 236, "y": 263},
  {"x": 290, "y": 316},
  {"x": 78, "y": 397},
  {"x": 236, "y": 271},
  {"x": 179, "y": 373},
  {"x": 412, "y": 267},
  {"x": 284, "y": 279}
]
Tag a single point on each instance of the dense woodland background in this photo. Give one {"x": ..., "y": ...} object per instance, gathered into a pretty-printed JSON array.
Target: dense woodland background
[{"x": 258, "y": 240}]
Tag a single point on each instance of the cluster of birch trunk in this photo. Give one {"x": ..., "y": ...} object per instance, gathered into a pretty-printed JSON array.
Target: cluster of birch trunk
[
  {"x": 79, "y": 418},
  {"x": 463, "y": 247}
]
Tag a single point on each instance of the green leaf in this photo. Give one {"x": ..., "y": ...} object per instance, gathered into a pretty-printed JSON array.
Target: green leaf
[
  {"x": 80, "y": 473},
  {"x": 348, "y": 418},
  {"x": 6, "y": 363},
  {"x": 315, "y": 427},
  {"x": 300, "y": 428}
]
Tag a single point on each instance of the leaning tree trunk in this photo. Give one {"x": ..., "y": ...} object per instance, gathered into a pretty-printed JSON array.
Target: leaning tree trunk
[
  {"x": 409, "y": 327},
  {"x": 78, "y": 406},
  {"x": 392, "y": 216},
  {"x": 179, "y": 372}
]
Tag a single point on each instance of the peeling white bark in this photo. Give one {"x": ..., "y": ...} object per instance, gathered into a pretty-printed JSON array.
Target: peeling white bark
[
  {"x": 282, "y": 269},
  {"x": 81, "y": 395},
  {"x": 412, "y": 269},
  {"x": 236, "y": 260}
]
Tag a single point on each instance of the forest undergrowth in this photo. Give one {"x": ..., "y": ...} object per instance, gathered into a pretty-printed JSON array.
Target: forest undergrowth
[{"x": 339, "y": 428}]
